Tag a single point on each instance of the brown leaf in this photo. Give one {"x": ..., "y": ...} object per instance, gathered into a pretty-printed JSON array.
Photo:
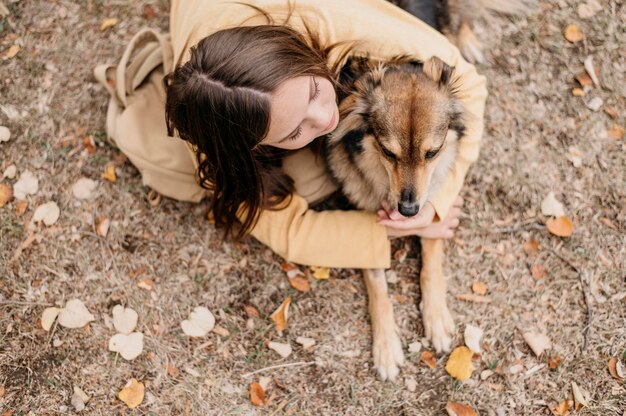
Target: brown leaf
[
  {"x": 471, "y": 297},
  {"x": 459, "y": 409},
  {"x": 428, "y": 358},
  {"x": 89, "y": 144},
  {"x": 20, "y": 208},
  {"x": 613, "y": 369},
  {"x": 145, "y": 283},
  {"x": 616, "y": 133},
  {"x": 539, "y": 271},
  {"x": 6, "y": 194},
  {"x": 459, "y": 364},
  {"x": 554, "y": 362},
  {"x": 584, "y": 79},
  {"x": 531, "y": 247},
  {"x": 257, "y": 395},
  {"x": 611, "y": 111},
  {"x": 138, "y": 272},
  {"x": 300, "y": 283},
  {"x": 109, "y": 173},
  {"x": 561, "y": 409},
  {"x": 479, "y": 288},
  {"x": 251, "y": 311},
  {"x": 561, "y": 226},
  {"x": 280, "y": 315},
  {"x": 573, "y": 33},
  {"x": 171, "y": 370},
  {"x": 132, "y": 393},
  {"x": 102, "y": 229}
]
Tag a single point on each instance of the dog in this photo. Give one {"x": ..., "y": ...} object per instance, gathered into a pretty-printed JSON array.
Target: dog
[
  {"x": 456, "y": 19},
  {"x": 400, "y": 122}
]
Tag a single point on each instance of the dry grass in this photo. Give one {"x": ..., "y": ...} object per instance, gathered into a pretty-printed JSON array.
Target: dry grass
[{"x": 532, "y": 121}]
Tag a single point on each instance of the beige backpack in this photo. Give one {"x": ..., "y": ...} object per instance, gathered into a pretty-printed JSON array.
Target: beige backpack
[{"x": 135, "y": 120}]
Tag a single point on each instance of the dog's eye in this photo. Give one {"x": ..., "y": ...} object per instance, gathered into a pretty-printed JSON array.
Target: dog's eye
[
  {"x": 389, "y": 154},
  {"x": 431, "y": 153}
]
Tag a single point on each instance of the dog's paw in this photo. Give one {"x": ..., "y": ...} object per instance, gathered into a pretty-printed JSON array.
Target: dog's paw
[
  {"x": 388, "y": 354},
  {"x": 438, "y": 326}
]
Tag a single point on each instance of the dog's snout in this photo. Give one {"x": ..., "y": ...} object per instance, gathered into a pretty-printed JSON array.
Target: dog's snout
[
  {"x": 408, "y": 210},
  {"x": 407, "y": 196}
]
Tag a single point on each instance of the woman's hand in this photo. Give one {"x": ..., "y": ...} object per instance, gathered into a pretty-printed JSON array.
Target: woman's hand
[{"x": 421, "y": 224}]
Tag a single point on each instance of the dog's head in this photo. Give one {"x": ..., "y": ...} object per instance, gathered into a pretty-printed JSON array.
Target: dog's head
[{"x": 402, "y": 117}]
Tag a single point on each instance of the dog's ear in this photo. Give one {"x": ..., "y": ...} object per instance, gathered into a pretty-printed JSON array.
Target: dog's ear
[{"x": 438, "y": 71}]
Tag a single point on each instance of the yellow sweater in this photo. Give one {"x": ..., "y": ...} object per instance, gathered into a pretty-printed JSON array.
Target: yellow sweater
[{"x": 339, "y": 238}]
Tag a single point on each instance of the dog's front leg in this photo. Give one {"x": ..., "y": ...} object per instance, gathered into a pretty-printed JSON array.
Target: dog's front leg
[
  {"x": 438, "y": 323},
  {"x": 387, "y": 347}
]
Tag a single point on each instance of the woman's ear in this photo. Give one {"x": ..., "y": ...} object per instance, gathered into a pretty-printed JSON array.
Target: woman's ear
[{"x": 438, "y": 71}]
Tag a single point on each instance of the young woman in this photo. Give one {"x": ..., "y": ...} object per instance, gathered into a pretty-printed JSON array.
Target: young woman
[{"x": 246, "y": 94}]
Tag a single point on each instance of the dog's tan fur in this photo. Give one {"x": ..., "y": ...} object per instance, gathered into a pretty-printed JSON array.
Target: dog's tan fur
[{"x": 406, "y": 109}]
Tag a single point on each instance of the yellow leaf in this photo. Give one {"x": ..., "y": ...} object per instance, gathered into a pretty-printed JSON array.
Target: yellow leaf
[
  {"x": 320, "y": 273},
  {"x": 459, "y": 364},
  {"x": 108, "y": 23},
  {"x": 428, "y": 358},
  {"x": 109, "y": 173},
  {"x": 281, "y": 315},
  {"x": 257, "y": 395},
  {"x": 561, "y": 409},
  {"x": 13, "y": 50},
  {"x": 578, "y": 92},
  {"x": 573, "y": 33},
  {"x": 132, "y": 393},
  {"x": 459, "y": 409},
  {"x": 560, "y": 226}
]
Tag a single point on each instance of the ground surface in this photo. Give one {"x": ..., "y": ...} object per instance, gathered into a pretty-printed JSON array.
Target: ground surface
[{"x": 50, "y": 102}]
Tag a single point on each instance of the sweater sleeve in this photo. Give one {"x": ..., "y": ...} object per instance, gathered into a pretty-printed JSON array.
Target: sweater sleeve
[{"x": 351, "y": 239}]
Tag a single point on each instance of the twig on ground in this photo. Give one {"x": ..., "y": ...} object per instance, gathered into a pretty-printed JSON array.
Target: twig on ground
[
  {"x": 517, "y": 228},
  {"x": 273, "y": 367},
  {"x": 23, "y": 303},
  {"x": 582, "y": 276}
]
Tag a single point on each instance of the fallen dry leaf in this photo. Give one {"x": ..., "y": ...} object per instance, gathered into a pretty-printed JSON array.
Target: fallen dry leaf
[
  {"x": 109, "y": 173},
  {"x": 221, "y": 331},
  {"x": 79, "y": 399},
  {"x": 578, "y": 92},
  {"x": 537, "y": 342},
  {"x": 6, "y": 194},
  {"x": 591, "y": 70},
  {"x": 132, "y": 393},
  {"x": 320, "y": 273},
  {"x": 471, "y": 297},
  {"x": 613, "y": 366},
  {"x": 479, "y": 288},
  {"x": 531, "y": 247},
  {"x": 251, "y": 311},
  {"x": 171, "y": 370},
  {"x": 561, "y": 409},
  {"x": 284, "y": 350},
  {"x": 459, "y": 409},
  {"x": 280, "y": 315},
  {"x": 584, "y": 79},
  {"x": 48, "y": 213},
  {"x": 561, "y": 226},
  {"x": 20, "y": 208},
  {"x": 27, "y": 184},
  {"x": 551, "y": 207},
  {"x": 581, "y": 397},
  {"x": 554, "y": 362},
  {"x": 124, "y": 319},
  {"x": 300, "y": 283},
  {"x": 201, "y": 321},
  {"x": 74, "y": 315},
  {"x": 428, "y": 358},
  {"x": 257, "y": 394},
  {"x": 538, "y": 271},
  {"x": 573, "y": 33},
  {"x": 10, "y": 172},
  {"x": 102, "y": 229},
  {"x": 472, "y": 336},
  {"x": 611, "y": 111},
  {"x": 108, "y": 23},
  {"x": 305, "y": 342},
  {"x": 83, "y": 188},
  {"x": 145, "y": 283},
  {"x": 459, "y": 364},
  {"x": 129, "y": 346},
  {"x": 12, "y": 51},
  {"x": 616, "y": 133},
  {"x": 575, "y": 155},
  {"x": 48, "y": 316},
  {"x": 89, "y": 144}
]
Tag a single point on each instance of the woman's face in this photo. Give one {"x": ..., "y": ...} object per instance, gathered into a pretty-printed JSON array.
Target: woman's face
[{"x": 302, "y": 109}]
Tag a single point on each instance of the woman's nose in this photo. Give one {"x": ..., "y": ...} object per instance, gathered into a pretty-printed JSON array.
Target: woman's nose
[{"x": 319, "y": 117}]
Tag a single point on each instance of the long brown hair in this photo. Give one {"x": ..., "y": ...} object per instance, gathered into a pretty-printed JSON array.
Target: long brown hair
[{"x": 219, "y": 101}]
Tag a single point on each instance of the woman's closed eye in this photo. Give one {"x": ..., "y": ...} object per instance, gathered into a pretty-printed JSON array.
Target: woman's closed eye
[{"x": 316, "y": 94}]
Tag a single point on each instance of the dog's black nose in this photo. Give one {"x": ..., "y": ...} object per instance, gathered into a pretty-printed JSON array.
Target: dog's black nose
[
  {"x": 408, "y": 210},
  {"x": 407, "y": 196}
]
